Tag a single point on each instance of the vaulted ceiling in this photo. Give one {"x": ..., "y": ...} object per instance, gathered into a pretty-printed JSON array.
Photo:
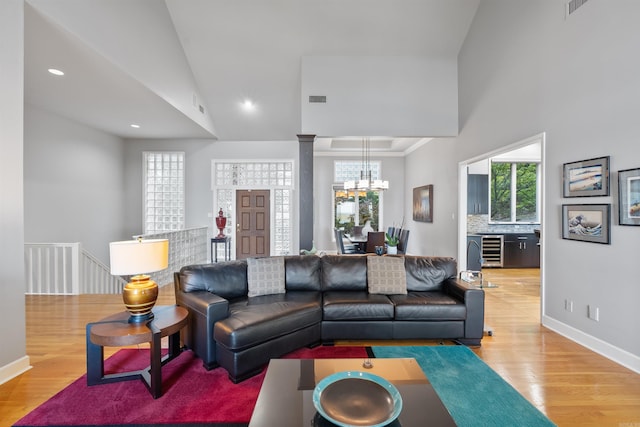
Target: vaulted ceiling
[{"x": 231, "y": 50}]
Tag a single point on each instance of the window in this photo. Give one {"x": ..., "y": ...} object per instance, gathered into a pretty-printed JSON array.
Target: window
[
  {"x": 353, "y": 207},
  {"x": 514, "y": 195},
  {"x": 163, "y": 178}
]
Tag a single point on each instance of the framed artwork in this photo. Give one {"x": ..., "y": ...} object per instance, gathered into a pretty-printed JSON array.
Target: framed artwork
[
  {"x": 586, "y": 178},
  {"x": 587, "y": 223},
  {"x": 629, "y": 197},
  {"x": 423, "y": 203}
]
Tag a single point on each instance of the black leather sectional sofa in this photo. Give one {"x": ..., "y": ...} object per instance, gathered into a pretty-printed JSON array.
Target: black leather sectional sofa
[{"x": 326, "y": 299}]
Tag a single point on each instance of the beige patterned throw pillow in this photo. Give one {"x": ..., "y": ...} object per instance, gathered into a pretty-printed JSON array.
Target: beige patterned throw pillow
[
  {"x": 265, "y": 276},
  {"x": 386, "y": 275}
]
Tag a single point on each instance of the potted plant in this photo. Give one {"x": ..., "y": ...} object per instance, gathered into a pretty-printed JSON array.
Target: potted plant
[{"x": 392, "y": 244}]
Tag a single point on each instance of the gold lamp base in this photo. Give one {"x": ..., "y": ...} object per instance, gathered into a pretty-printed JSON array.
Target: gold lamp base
[{"x": 139, "y": 296}]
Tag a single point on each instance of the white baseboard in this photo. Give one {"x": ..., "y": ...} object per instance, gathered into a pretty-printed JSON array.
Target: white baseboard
[
  {"x": 13, "y": 369},
  {"x": 618, "y": 355}
]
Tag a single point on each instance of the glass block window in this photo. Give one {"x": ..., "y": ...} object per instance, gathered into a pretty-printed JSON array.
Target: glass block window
[
  {"x": 281, "y": 234},
  {"x": 163, "y": 178},
  {"x": 254, "y": 174},
  {"x": 349, "y": 170},
  {"x": 274, "y": 175}
]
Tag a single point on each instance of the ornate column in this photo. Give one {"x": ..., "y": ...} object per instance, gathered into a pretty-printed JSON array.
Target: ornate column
[{"x": 305, "y": 188}]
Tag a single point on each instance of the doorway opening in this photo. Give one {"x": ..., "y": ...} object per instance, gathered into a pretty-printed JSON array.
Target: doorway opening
[{"x": 472, "y": 225}]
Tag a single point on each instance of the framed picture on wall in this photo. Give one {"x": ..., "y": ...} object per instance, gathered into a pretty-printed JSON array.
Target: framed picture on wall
[
  {"x": 629, "y": 197},
  {"x": 586, "y": 178},
  {"x": 587, "y": 223},
  {"x": 423, "y": 203}
]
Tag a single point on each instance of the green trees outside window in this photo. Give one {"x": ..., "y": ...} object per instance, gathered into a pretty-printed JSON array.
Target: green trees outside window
[
  {"x": 514, "y": 192},
  {"x": 348, "y": 203}
]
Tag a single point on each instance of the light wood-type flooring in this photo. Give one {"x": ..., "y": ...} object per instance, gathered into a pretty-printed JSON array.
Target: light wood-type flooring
[{"x": 572, "y": 385}]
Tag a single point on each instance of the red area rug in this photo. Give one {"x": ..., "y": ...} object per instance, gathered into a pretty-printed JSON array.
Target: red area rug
[{"x": 192, "y": 395}]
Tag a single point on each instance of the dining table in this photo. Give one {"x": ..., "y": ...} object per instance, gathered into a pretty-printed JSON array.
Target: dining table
[{"x": 360, "y": 241}]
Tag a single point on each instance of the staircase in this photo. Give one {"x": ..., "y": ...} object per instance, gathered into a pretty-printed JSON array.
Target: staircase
[{"x": 68, "y": 269}]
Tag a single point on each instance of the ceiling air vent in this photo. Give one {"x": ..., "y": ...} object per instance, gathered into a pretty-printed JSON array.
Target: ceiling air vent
[
  {"x": 318, "y": 98},
  {"x": 573, "y": 5}
]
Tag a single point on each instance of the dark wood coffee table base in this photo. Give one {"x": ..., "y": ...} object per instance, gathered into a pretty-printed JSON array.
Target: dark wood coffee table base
[{"x": 116, "y": 331}]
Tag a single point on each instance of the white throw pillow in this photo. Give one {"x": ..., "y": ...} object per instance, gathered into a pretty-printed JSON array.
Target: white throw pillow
[
  {"x": 265, "y": 276},
  {"x": 386, "y": 275}
]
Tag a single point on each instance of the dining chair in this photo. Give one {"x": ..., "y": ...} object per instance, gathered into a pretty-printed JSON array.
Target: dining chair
[
  {"x": 403, "y": 241},
  {"x": 374, "y": 238},
  {"x": 340, "y": 246},
  {"x": 391, "y": 231}
]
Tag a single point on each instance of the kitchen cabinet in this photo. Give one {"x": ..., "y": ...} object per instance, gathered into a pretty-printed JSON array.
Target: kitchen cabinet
[
  {"x": 521, "y": 251},
  {"x": 477, "y": 194}
]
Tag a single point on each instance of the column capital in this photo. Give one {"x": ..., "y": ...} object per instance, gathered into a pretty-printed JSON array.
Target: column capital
[{"x": 306, "y": 137}]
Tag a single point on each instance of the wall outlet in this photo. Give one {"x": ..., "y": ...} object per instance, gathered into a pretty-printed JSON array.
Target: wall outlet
[
  {"x": 593, "y": 313},
  {"x": 568, "y": 305}
]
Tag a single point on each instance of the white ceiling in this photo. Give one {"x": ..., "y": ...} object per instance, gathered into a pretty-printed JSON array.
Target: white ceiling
[{"x": 236, "y": 50}]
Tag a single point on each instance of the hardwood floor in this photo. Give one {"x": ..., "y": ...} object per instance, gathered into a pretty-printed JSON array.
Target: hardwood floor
[{"x": 573, "y": 386}]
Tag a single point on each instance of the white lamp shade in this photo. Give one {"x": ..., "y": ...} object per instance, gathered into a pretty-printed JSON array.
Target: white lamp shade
[{"x": 133, "y": 257}]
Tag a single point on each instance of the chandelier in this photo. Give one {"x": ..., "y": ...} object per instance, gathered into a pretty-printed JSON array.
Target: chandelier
[{"x": 365, "y": 182}]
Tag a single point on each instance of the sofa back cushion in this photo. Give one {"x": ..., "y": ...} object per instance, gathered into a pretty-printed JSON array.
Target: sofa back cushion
[
  {"x": 386, "y": 275},
  {"x": 302, "y": 273},
  {"x": 265, "y": 276},
  {"x": 344, "y": 272},
  {"x": 428, "y": 273},
  {"x": 226, "y": 279}
]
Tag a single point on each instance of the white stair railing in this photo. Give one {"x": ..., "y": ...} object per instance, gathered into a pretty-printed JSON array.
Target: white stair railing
[
  {"x": 67, "y": 269},
  {"x": 52, "y": 268},
  {"x": 96, "y": 277}
]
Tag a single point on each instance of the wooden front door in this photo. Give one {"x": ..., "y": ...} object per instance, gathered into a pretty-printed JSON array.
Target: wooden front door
[{"x": 252, "y": 223}]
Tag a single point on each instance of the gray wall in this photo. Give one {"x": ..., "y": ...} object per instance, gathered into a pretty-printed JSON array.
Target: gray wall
[
  {"x": 433, "y": 164},
  {"x": 73, "y": 183},
  {"x": 524, "y": 69},
  {"x": 396, "y": 95},
  {"x": 12, "y": 334},
  {"x": 199, "y": 155}
]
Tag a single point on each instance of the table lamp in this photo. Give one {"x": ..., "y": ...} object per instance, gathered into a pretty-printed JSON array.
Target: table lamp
[{"x": 137, "y": 258}]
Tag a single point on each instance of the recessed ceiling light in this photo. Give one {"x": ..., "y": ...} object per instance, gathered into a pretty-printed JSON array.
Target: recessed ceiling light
[
  {"x": 135, "y": 126},
  {"x": 56, "y": 72},
  {"x": 248, "y": 105}
]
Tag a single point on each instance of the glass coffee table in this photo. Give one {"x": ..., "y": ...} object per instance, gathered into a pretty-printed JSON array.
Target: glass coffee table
[{"x": 286, "y": 396}]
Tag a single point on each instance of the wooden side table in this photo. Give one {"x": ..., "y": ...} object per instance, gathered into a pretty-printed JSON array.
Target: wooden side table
[{"x": 116, "y": 331}]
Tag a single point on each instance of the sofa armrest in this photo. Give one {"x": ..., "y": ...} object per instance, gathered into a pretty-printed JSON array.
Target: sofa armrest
[
  {"x": 473, "y": 299},
  {"x": 205, "y": 303},
  {"x": 205, "y": 310}
]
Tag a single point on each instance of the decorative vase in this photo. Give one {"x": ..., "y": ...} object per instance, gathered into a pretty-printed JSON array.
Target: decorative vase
[
  {"x": 221, "y": 222},
  {"x": 392, "y": 250},
  {"x": 367, "y": 228}
]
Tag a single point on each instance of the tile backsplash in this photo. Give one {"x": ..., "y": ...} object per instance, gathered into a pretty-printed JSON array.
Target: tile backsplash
[{"x": 478, "y": 224}]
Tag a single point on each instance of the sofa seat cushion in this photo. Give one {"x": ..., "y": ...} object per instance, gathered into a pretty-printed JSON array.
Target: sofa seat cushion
[
  {"x": 435, "y": 306},
  {"x": 253, "y": 321},
  {"x": 356, "y": 305}
]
